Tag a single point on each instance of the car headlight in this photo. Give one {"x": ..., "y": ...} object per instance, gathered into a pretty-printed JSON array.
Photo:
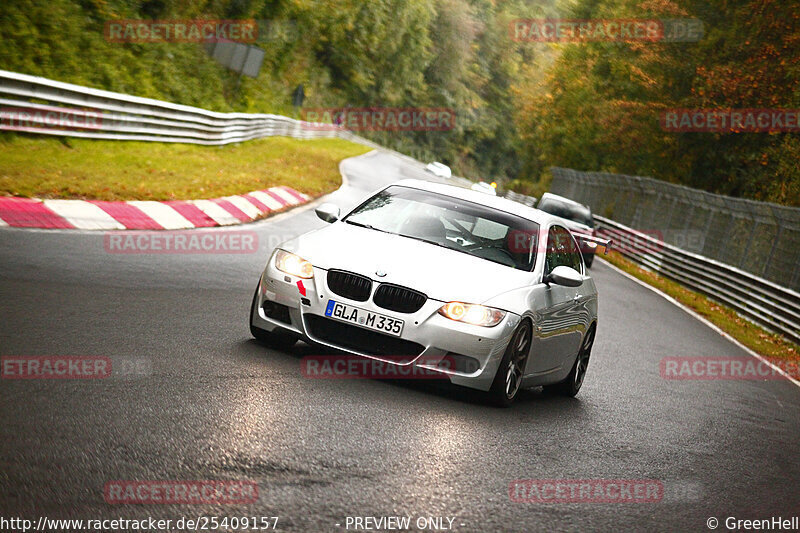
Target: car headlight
[
  {"x": 478, "y": 315},
  {"x": 293, "y": 264}
]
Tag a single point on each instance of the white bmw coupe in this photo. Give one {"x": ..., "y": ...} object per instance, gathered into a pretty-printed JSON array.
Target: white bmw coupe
[{"x": 488, "y": 292}]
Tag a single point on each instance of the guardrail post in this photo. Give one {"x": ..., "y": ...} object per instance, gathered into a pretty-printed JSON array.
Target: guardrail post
[
  {"x": 772, "y": 250},
  {"x": 686, "y": 226},
  {"x": 711, "y": 213},
  {"x": 671, "y": 212},
  {"x": 749, "y": 243}
]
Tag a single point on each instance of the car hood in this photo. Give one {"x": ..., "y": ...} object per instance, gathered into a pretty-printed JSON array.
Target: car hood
[{"x": 440, "y": 273}]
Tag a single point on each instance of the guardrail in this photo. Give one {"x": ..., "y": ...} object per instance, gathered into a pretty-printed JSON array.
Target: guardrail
[
  {"x": 32, "y": 104},
  {"x": 39, "y": 105},
  {"x": 761, "y": 238},
  {"x": 766, "y": 303},
  {"x": 762, "y": 301}
]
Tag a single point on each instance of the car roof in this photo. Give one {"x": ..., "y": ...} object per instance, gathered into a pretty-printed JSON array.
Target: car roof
[
  {"x": 495, "y": 202},
  {"x": 549, "y": 195}
]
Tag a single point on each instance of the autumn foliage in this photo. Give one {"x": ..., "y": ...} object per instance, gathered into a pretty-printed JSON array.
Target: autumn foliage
[{"x": 598, "y": 107}]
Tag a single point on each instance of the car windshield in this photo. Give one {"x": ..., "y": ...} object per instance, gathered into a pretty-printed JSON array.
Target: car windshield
[
  {"x": 574, "y": 212},
  {"x": 451, "y": 223}
]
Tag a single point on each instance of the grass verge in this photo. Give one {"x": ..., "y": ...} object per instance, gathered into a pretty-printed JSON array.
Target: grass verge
[
  {"x": 128, "y": 170},
  {"x": 751, "y": 335}
]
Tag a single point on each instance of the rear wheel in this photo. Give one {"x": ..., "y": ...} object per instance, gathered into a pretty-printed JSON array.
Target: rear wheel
[
  {"x": 274, "y": 339},
  {"x": 508, "y": 379},
  {"x": 572, "y": 384}
]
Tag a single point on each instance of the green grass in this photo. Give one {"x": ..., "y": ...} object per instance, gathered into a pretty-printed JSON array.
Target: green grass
[
  {"x": 754, "y": 337},
  {"x": 125, "y": 170}
]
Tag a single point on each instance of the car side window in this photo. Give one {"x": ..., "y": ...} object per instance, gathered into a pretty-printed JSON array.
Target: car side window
[
  {"x": 574, "y": 254},
  {"x": 562, "y": 251},
  {"x": 555, "y": 248}
]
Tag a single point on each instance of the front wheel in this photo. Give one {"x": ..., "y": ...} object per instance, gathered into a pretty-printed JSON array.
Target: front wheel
[
  {"x": 508, "y": 379},
  {"x": 274, "y": 339},
  {"x": 572, "y": 384}
]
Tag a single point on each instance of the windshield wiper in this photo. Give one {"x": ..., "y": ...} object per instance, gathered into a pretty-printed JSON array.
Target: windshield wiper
[{"x": 368, "y": 226}]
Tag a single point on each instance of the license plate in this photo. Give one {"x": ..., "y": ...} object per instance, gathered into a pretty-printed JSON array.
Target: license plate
[{"x": 364, "y": 318}]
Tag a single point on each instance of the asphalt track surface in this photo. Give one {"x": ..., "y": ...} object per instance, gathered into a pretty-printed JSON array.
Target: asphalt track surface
[{"x": 214, "y": 404}]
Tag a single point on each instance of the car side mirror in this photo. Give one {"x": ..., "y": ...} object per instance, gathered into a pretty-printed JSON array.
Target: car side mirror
[
  {"x": 565, "y": 276},
  {"x": 328, "y": 212}
]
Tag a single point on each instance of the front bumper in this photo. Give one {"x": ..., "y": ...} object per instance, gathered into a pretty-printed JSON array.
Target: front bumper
[{"x": 428, "y": 340}]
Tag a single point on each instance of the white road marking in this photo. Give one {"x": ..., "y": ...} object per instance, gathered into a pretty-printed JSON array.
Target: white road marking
[
  {"x": 705, "y": 321},
  {"x": 163, "y": 214},
  {"x": 216, "y": 213},
  {"x": 244, "y": 206},
  {"x": 303, "y": 195},
  {"x": 82, "y": 214},
  {"x": 267, "y": 200},
  {"x": 285, "y": 195}
]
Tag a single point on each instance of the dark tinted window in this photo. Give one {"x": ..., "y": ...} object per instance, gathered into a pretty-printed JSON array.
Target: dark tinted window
[{"x": 562, "y": 250}]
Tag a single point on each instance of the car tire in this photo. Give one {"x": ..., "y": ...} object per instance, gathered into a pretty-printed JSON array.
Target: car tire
[
  {"x": 508, "y": 379},
  {"x": 273, "y": 339},
  {"x": 588, "y": 259},
  {"x": 573, "y": 382}
]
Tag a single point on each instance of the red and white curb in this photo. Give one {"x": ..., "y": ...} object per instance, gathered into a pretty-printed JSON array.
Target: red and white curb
[{"x": 150, "y": 215}]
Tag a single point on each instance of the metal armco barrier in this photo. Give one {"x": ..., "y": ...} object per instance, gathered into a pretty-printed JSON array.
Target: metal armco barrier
[
  {"x": 764, "y": 302},
  {"x": 761, "y": 238},
  {"x": 32, "y": 104},
  {"x": 760, "y": 300},
  {"x": 39, "y": 105}
]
